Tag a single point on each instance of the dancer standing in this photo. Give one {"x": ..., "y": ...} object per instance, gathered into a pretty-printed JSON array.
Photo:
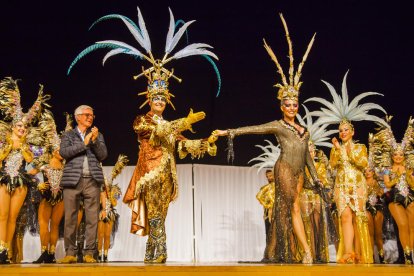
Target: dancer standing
[
  {"x": 397, "y": 163},
  {"x": 289, "y": 170},
  {"x": 349, "y": 160},
  {"x": 15, "y": 153}
]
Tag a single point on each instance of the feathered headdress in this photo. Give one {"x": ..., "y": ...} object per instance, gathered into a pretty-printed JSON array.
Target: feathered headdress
[
  {"x": 268, "y": 158},
  {"x": 47, "y": 126},
  {"x": 10, "y": 103},
  {"x": 289, "y": 89},
  {"x": 341, "y": 111},
  {"x": 318, "y": 134},
  {"x": 157, "y": 74},
  {"x": 383, "y": 144},
  {"x": 69, "y": 121}
]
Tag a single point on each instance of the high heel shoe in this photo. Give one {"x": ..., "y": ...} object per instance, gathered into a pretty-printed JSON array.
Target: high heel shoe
[
  {"x": 347, "y": 258},
  {"x": 307, "y": 257}
]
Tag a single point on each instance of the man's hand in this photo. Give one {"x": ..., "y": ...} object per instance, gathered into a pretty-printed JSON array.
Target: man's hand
[
  {"x": 195, "y": 117},
  {"x": 87, "y": 138},
  {"x": 95, "y": 133}
]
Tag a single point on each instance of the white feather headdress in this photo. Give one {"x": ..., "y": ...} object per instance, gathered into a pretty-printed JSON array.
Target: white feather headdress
[
  {"x": 340, "y": 109},
  {"x": 318, "y": 134},
  {"x": 268, "y": 158}
]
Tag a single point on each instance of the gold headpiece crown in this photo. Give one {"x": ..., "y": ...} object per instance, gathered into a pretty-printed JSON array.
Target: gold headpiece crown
[
  {"x": 157, "y": 82},
  {"x": 289, "y": 90}
]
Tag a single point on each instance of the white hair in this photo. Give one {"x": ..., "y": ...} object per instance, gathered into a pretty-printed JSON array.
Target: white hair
[{"x": 80, "y": 109}]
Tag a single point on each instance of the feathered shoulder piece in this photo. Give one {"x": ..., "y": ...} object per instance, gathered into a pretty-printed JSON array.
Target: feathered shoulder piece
[
  {"x": 318, "y": 134},
  {"x": 341, "y": 110},
  {"x": 407, "y": 143},
  {"x": 119, "y": 166},
  {"x": 157, "y": 74},
  {"x": 289, "y": 88},
  {"x": 268, "y": 158},
  {"x": 5, "y": 131}
]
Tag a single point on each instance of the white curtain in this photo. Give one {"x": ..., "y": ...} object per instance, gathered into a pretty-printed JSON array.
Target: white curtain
[{"x": 216, "y": 218}]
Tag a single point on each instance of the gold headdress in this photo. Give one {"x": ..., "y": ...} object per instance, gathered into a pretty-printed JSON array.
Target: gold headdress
[
  {"x": 157, "y": 74},
  {"x": 383, "y": 145},
  {"x": 10, "y": 103},
  {"x": 289, "y": 89}
]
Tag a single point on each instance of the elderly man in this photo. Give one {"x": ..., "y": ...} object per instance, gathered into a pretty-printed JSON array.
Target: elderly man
[{"x": 83, "y": 148}]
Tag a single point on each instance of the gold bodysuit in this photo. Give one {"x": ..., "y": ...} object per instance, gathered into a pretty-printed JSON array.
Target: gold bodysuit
[
  {"x": 351, "y": 191},
  {"x": 289, "y": 172}
]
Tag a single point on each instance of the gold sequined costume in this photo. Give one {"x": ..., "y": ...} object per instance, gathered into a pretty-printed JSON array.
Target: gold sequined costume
[
  {"x": 154, "y": 182},
  {"x": 351, "y": 191},
  {"x": 289, "y": 172}
]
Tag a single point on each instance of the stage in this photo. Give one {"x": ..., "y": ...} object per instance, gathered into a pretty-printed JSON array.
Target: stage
[{"x": 233, "y": 269}]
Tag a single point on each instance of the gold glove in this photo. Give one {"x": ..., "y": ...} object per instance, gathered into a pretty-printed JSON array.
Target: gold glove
[
  {"x": 213, "y": 138},
  {"x": 195, "y": 117},
  {"x": 42, "y": 186}
]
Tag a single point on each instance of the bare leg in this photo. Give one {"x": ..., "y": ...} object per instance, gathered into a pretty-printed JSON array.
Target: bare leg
[
  {"x": 107, "y": 237},
  {"x": 16, "y": 201},
  {"x": 297, "y": 222},
  {"x": 44, "y": 214},
  {"x": 410, "y": 213},
  {"x": 57, "y": 215},
  {"x": 4, "y": 211},
  {"x": 378, "y": 220},
  {"x": 101, "y": 234},
  {"x": 400, "y": 216},
  {"x": 348, "y": 232}
]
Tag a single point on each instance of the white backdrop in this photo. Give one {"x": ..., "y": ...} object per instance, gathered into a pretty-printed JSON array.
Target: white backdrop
[{"x": 216, "y": 218}]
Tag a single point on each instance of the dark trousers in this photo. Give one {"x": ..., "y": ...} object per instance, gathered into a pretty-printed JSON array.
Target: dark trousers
[{"x": 90, "y": 190}]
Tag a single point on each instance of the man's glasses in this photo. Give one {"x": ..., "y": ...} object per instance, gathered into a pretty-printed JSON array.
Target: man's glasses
[{"x": 88, "y": 115}]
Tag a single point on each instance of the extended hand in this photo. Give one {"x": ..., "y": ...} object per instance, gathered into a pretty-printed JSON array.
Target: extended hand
[
  {"x": 213, "y": 138},
  {"x": 195, "y": 117},
  {"x": 219, "y": 132}
]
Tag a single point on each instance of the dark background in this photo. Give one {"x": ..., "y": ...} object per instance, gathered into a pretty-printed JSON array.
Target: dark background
[{"x": 39, "y": 40}]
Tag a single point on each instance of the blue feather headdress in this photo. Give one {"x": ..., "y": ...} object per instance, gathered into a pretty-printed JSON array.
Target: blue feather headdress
[{"x": 157, "y": 74}]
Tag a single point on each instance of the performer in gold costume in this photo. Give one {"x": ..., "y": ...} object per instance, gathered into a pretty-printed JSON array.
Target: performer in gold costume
[
  {"x": 375, "y": 206},
  {"x": 266, "y": 197},
  {"x": 289, "y": 170},
  {"x": 51, "y": 207},
  {"x": 315, "y": 210},
  {"x": 349, "y": 160},
  {"x": 108, "y": 217},
  {"x": 15, "y": 152},
  {"x": 154, "y": 182},
  {"x": 397, "y": 163}
]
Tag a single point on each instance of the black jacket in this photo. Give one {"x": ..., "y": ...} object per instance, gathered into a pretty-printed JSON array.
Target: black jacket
[{"x": 73, "y": 149}]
